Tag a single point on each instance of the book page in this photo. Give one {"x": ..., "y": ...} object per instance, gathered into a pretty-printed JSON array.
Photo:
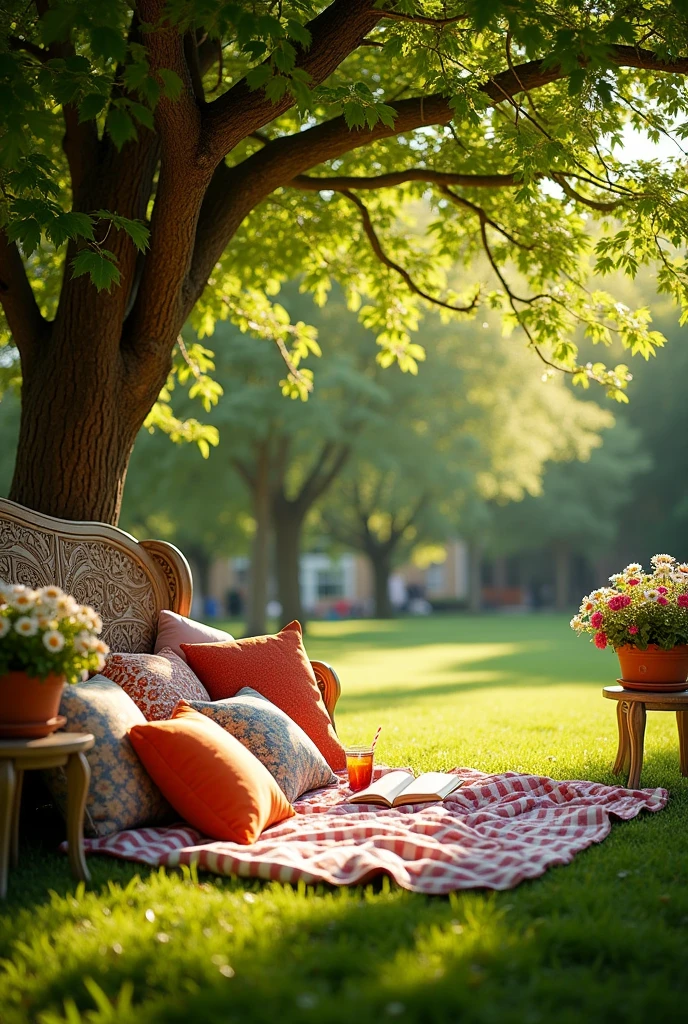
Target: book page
[
  {"x": 429, "y": 786},
  {"x": 385, "y": 789}
]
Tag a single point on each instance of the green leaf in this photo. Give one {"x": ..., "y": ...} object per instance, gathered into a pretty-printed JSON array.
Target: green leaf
[
  {"x": 172, "y": 83},
  {"x": 120, "y": 126},
  {"x": 108, "y": 43},
  {"x": 99, "y": 267},
  {"x": 91, "y": 106},
  {"x": 258, "y": 76}
]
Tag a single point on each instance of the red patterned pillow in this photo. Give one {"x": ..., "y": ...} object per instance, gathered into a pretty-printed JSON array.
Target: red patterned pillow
[
  {"x": 279, "y": 669},
  {"x": 155, "y": 682}
]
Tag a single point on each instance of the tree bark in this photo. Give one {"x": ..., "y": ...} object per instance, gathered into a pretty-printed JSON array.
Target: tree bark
[
  {"x": 260, "y": 551},
  {"x": 382, "y": 568},
  {"x": 288, "y": 525},
  {"x": 79, "y": 421}
]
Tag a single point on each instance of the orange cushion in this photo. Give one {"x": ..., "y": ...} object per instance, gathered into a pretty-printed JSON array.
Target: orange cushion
[
  {"x": 209, "y": 777},
  {"x": 279, "y": 669}
]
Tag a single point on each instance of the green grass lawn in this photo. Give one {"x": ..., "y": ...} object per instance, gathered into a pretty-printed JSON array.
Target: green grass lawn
[{"x": 604, "y": 939}]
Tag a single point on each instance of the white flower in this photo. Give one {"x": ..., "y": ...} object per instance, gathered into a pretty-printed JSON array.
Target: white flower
[
  {"x": 84, "y": 643},
  {"x": 66, "y": 607},
  {"x": 100, "y": 662},
  {"x": 26, "y": 626},
  {"x": 662, "y": 560},
  {"x": 651, "y": 595},
  {"x": 47, "y": 620},
  {"x": 616, "y": 577},
  {"x": 683, "y": 567},
  {"x": 24, "y": 600},
  {"x": 664, "y": 569},
  {"x": 53, "y": 641},
  {"x": 5, "y": 626},
  {"x": 51, "y": 593},
  {"x": 101, "y": 647},
  {"x": 633, "y": 569},
  {"x": 576, "y": 622},
  {"x": 96, "y": 622}
]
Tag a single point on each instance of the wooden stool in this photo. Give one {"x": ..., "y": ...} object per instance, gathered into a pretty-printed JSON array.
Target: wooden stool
[
  {"x": 18, "y": 756},
  {"x": 631, "y": 709}
]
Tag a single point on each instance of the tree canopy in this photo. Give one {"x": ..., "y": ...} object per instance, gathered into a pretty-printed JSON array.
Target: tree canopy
[{"x": 171, "y": 160}]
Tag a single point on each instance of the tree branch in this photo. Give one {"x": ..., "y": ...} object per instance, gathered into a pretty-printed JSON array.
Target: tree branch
[
  {"x": 385, "y": 259},
  {"x": 235, "y": 191},
  {"x": 18, "y": 300},
  {"x": 335, "y": 33},
  {"x": 420, "y": 19},
  {"x": 594, "y": 204},
  {"x": 80, "y": 141},
  {"x": 391, "y": 178}
]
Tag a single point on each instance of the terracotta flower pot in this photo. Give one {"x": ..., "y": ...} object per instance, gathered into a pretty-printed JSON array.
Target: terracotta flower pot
[
  {"x": 654, "y": 669},
  {"x": 29, "y": 706}
]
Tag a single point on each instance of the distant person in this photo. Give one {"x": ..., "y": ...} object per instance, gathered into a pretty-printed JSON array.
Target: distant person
[{"x": 398, "y": 595}]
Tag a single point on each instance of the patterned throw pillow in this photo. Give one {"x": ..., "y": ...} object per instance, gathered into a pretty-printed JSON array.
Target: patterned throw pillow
[
  {"x": 278, "y": 668},
  {"x": 121, "y": 794},
  {"x": 211, "y": 779},
  {"x": 175, "y": 629},
  {"x": 281, "y": 745},
  {"x": 155, "y": 682}
]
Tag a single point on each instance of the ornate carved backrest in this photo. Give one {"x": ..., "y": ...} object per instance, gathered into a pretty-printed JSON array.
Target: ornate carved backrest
[{"x": 127, "y": 582}]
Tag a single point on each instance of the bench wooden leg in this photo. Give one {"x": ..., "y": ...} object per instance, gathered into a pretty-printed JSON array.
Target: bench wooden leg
[
  {"x": 682, "y": 723},
  {"x": 14, "y": 827},
  {"x": 7, "y": 789},
  {"x": 623, "y": 752},
  {"x": 636, "y": 729},
  {"x": 78, "y": 778}
]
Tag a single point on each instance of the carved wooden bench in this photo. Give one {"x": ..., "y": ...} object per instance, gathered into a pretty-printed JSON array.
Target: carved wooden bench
[{"x": 127, "y": 581}]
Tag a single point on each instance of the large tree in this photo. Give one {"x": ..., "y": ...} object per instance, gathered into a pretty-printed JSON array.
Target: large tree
[{"x": 161, "y": 160}]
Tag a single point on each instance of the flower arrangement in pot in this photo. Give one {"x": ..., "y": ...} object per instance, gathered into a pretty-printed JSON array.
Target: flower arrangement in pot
[
  {"x": 644, "y": 617},
  {"x": 47, "y": 639}
]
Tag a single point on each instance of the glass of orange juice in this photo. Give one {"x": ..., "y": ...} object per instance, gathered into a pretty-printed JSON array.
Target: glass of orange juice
[{"x": 359, "y": 764}]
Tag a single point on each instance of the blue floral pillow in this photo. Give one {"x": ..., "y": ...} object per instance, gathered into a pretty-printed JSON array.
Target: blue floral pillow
[
  {"x": 290, "y": 756},
  {"x": 122, "y": 794}
]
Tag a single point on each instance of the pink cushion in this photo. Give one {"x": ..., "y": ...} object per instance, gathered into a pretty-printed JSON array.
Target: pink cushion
[
  {"x": 155, "y": 682},
  {"x": 174, "y": 630}
]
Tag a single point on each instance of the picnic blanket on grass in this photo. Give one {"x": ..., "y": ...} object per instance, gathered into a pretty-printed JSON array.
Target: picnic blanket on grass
[{"x": 493, "y": 832}]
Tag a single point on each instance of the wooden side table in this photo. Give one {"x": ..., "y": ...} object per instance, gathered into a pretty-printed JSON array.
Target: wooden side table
[
  {"x": 631, "y": 709},
  {"x": 54, "y": 751}
]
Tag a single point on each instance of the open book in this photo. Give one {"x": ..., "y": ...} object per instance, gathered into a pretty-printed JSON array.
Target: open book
[{"x": 397, "y": 788}]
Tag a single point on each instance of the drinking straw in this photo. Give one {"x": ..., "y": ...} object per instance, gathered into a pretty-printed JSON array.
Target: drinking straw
[{"x": 379, "y": 730}]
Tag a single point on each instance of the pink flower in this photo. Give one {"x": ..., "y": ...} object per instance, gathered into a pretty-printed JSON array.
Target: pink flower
[
  {"x": 596, "y": 619},
  {"x": 618, "y": 602},
  {"x": 683, "y": 600},
  {"x": 633, "y": 630},
  {"x": 662, "y": 600},
  {"x": 662, "y": 590},
  {"x": 600, "y": 640},
  {"x": 633, "y": 583}
]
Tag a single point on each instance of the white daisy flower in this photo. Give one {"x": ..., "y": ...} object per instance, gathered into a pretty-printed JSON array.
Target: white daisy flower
[
  {"x": 25, "y": 600},
  {"x": 633, "y": 569},
  {"x": 662, "y": 560},
  {"x": 651, "y": 595},
  {"x": 67, "y": 606},
  {"x": 664, "y": 569},
  {"x": 5, "y": 626},
  {"x": 83, "y": 643},
  {"x": 26, "y": 625},
  {"x": 47, "y": 620},
  {"x": 616, "y": 577},
  {"x": 53, "y": 641},
  {"x": 101, "y": 647},
  {"x": 576, "y": 622},
  {"x": 50, "y": 594},
  {"x": 100, "y": 662},
  {"x": 683, "y": 567}
]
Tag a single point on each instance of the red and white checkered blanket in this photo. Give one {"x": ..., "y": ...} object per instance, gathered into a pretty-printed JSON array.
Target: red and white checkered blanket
[{"x": 493, "y": 832}]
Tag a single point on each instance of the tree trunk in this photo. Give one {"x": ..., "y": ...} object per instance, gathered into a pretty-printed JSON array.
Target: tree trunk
[
  {"x": 562, "y": 577},
  {"x": 288, "y": 525},
  {"x": 78, "y": 427},
  {"x": 382, "y": 568},
  {"x": 475, "y": 583},
  {"x": 260, "y": 551}
]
